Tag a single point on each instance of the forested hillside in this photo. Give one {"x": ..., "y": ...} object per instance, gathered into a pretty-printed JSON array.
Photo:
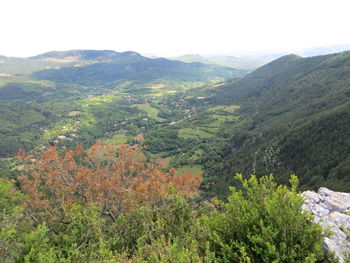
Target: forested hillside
[{"x": 295, "y": 118}]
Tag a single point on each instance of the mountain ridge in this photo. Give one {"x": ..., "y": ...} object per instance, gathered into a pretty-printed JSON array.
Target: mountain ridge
[
  {"x": 130, "y": 65},
  {"x": 85, "y": 54},
  {"x": 246, "y": 63}
]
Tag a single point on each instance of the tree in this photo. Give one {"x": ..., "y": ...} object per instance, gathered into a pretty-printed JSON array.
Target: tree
[{"x": 115, "y": 179}]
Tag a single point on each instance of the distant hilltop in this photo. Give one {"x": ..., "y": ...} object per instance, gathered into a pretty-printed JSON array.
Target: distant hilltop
[{"x": 80, "y": 54}]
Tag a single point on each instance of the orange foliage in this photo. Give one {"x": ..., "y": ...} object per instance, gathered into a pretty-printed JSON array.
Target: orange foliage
[
  {"x": 21, "y": 153},
  {"x": 113, "y": 178}
]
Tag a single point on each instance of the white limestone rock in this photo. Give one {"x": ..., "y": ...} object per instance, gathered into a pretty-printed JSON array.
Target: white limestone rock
[
  {"x": 338, "y": 201},
  {"x": 329, "y": 209},
  {"x": 312, "y": 197}
]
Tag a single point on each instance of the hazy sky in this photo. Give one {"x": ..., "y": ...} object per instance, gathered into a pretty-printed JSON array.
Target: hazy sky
[{"x": 169, "y": 28}]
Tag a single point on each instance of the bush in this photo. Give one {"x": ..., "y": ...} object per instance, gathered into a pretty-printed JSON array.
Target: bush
[
  {"x": 264, "y": 222},
  {"x": 12, "y": 221}
]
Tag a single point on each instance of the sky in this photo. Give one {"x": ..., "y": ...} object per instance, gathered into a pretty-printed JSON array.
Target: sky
[{"x": 172, "y": 28}]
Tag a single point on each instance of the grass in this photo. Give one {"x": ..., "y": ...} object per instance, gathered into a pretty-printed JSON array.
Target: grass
[
  {"x": 157, "y": 86},
  {"x": 197, "y": 155},
  {"x": 217, "y": 108},
  {"x": 230, "y": 109},
  {"x": 193, "y": 169},
  {"x": 151, "y": 111},
  {"x": 210, "y": 129},
  {"x": 119, "y": 138},
  {"x": 187, "y": 133}
]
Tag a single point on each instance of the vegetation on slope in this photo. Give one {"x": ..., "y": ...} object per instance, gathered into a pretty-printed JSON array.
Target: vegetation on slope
[
  {"x": 295, "y": 119},
  {"x": 109, "y": 205}
]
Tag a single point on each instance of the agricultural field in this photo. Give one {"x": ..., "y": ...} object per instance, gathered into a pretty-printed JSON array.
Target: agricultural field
[
  {"x": 190, "y": 133},
  {"x": 152, "y": 112},
  {"x": 119, "y": 138}
]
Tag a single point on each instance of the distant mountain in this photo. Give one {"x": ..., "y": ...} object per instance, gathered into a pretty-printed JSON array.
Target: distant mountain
[
  {"x": 295, "y": 118},
  {"x": 26, "y": 78},
  {"x": 86, "y": 55},
  {"x": 255, "y": 60},
  {"x": 225, "y": 61},
  {"x": 112, "y": 66}
]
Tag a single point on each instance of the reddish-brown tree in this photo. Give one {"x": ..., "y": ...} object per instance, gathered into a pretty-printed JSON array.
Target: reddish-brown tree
[{"x": 113, "y": 178}]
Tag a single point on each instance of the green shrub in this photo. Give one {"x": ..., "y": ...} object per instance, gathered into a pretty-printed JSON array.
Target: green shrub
[
  {"x": 264, "y": 222},
  {"x": 12, "y": 221},
  {"x": 78, "y": 237}
]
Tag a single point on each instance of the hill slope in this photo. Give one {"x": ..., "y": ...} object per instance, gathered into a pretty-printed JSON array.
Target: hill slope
[{"x": 295, "y": 118}]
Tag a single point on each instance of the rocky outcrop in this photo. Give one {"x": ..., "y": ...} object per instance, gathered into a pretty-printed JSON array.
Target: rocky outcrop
[{"x": 332, "y": 211}]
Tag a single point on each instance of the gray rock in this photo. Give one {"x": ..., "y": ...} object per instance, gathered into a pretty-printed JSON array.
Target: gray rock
[
  {"x": 332, "y": 246},
  {"x": 329, "y": 209},
  {"x": 337, "y": 200},
  {"x": 340, "y": 219},
  {"x": 319, "y": 210},
  {"x": 312, "y": 197}
]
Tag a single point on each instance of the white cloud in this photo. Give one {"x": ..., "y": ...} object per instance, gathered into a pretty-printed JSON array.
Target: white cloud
[{"x": 167, "y": 27}]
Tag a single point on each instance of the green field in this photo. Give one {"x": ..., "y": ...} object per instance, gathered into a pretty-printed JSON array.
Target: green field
[
  {"x": 222, "y": 118},
  {"x": 188, "y": 133},
  {"x": 209, "y": 129},
  {"x": 151, "y": 111},
  {"x": 230, "y": 109},
  {"x": 189, "y": 169},
  {"x": 119, "y": 138}
]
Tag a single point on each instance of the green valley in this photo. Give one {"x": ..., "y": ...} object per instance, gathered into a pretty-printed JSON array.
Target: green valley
[
  {"x": 291, "y": 105},
  {"x": 42, "y": 101},
  {"x": 174, "y": 131},
  {"x": 291, "y": 116}
]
